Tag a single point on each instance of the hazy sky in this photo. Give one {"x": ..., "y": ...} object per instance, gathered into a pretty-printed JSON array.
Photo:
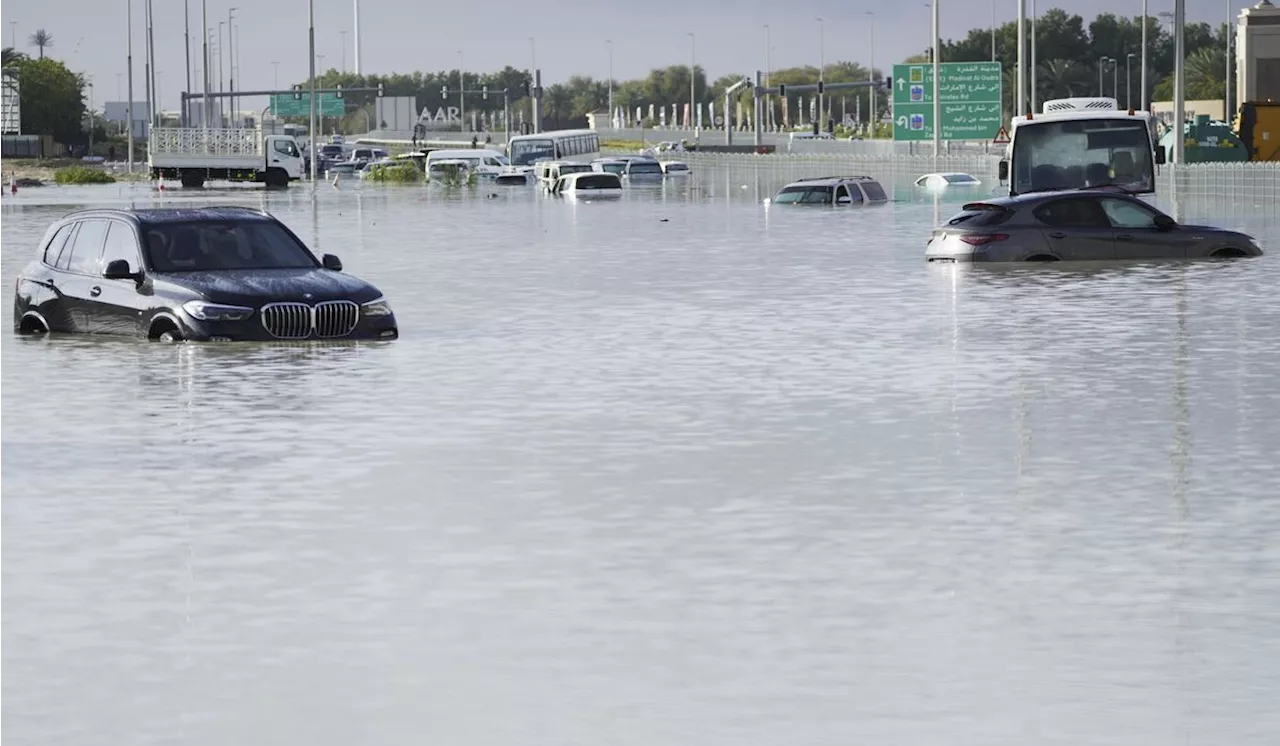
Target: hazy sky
[{"x": 401, "y": 36}]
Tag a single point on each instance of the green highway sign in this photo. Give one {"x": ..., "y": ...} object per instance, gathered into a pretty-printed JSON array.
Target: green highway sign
[
  {"x": 328, "y": 105},
  {"x": 970, "y": 101}
]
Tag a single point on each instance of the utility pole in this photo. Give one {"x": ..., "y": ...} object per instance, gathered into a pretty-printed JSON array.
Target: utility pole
[
  {"x": 462, "y": 98},
  {"x": 937, "y": 77},
  {"x": 1020, "y": 95},
  {"x": 693, "y": 66},
  {"x": 1032, "y": 92},
  {"x": 1143, "y": 92},
  {"x": 128, "y": 106},
  {"x": 146, "y": 62},
  {"x": 1179, "y": 78},
  {"x": 609, "y": 42},
  {"x": 822, "y": 66}
]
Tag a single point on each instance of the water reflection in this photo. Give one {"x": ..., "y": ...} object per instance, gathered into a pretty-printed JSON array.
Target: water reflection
[{"x": 674, "y": 463}]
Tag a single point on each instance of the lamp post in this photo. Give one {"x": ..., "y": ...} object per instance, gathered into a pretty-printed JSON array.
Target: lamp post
[
  {"x": 993, "y": 30},
  {"x": 1142, "y": 83},
  {"x": 128, "y": 106},
  {"x": 231, "y": 57},
  {"x": 311, "y": 63},
  {"x": 1226, "y": 78},
  {"x": 462, "y": 97},
  {"x": 693, "y": 65},
  {"x": 1102, "y": 66},
  {"x": 342, "y": 35},
  {"x": 533, "y": 82},
  {"x": 937, "y": 79},
  {"x": 1128, "y": 80},
  {"x": 1032, "y": 82},
  {"x": 768, "y": 64},
  {"x": 871, "y": 72},
  {"x": 822, "y": 65},
  {"x": 609, "y": 43}
]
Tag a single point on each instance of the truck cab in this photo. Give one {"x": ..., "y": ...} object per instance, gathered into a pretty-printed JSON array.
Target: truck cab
[
  {"x": 283, "y": 153},
  {"x": 1082, "y": 142}
]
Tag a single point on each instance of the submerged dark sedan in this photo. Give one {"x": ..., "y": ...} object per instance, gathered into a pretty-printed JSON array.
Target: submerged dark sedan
[
  {"x": 212, "y": 273},
  {"x": 1079, "y": 225}
]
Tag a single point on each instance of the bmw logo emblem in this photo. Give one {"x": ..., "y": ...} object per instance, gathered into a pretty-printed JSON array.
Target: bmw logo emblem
[{"x": 307, "y": 296}]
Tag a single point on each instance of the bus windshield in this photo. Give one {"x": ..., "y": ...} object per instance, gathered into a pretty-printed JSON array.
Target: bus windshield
[
  {"x": 1073, "y": 154},
  {"x": 525, "y": 152}
]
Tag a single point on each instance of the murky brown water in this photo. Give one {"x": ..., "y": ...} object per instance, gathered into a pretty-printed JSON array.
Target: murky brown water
[{"x": 675, "y": 469}]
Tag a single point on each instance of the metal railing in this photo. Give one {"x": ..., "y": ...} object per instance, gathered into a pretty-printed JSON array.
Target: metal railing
[{"x": 199, "y": 141}]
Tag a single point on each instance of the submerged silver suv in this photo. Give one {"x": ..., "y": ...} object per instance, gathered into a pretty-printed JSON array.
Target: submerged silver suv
[{"x": 841, "y": 191}]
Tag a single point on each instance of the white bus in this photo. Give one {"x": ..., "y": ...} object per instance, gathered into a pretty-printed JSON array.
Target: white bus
[{"x": 581, "y": 146}]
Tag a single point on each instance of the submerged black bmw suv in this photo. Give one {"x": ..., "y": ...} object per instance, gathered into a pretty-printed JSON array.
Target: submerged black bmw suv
[{"x": 210, "y": 273}]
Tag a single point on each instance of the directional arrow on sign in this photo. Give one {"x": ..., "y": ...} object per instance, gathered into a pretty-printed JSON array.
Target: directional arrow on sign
[
  {"x": 901, "y": 83},
  {"x": 902, "y": 121}
]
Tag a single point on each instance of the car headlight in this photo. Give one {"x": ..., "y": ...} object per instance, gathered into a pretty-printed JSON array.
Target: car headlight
[
  {"x": 206, "y": 311},
  {"x": 377, "y": 307}
]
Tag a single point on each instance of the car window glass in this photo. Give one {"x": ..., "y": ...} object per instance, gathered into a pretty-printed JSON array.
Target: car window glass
[
  {"x": 286, "y": 147},
  {"x": 54, "y": 248},
  {"x": 64, "y": 256},
  {"x": 222, "y": 245},
  {"x": 874, "y": 191},
  {"x": 1079, "y": 212},
  {"x": 1126, "y": 214},
  {"x": 121, "y": 244},
  {"x": 87, "y": 251},
  {"x": 818, "y": 195}
]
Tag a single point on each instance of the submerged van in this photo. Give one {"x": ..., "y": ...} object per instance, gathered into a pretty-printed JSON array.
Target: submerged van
[{"x": 482, "y": 162}]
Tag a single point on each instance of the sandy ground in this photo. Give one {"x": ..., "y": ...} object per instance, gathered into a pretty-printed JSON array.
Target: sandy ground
[{"x": 42, "y": 170}]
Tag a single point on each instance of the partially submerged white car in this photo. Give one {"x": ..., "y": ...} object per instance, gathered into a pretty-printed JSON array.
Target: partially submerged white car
[{"x": 944, "y": 180}]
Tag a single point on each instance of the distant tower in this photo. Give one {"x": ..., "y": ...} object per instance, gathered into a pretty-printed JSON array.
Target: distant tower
[{"x": 357, "y": 30}]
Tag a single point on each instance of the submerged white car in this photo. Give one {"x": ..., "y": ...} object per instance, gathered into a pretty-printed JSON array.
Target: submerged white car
[{"x": 942, "y": 181}]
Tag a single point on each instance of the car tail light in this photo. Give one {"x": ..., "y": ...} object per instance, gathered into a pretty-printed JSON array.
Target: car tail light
[{"x": 983, "y": 238}]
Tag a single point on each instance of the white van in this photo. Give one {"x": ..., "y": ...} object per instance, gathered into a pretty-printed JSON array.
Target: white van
[
  {"x": 482, "y": 162},
  {"x": 549, "y": 172}
]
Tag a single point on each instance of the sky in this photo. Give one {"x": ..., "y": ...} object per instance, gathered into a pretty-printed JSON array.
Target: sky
[{"x": 569, "y": 37}]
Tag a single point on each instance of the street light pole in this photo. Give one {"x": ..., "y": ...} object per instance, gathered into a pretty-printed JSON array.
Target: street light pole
[
  {"x": 693, "y": 65},
  {"x": 1179, "y": 78},
  {"x": 1019, "y": 99},
  {"x": 993, "y": 30},
  {"x": 1226, "y": 79},
  {"x": 343, "y": 36},
  {"x": 231, "y": 56},
  {"x": 822, "y": 65},
  {"x": 1128, "y": 80},
  {"x": 768, "y": 65},
  {"x": 462, "y": 97},
  {"x": 311, "y": 62},
  {"x": 1102, "y": 66},
  {"x": 1143, "y": 82},
  {"x": 186, "y": 40},
  {"x": 609, "y": 42},
  {"x": 1034, "y": 62},
  {"x": 871, "y": 75},
  {"x": 128, "y": 106},
  {"x": 937, "y": 77}
]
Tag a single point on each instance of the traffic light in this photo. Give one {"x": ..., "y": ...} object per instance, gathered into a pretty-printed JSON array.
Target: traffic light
[
  {"x": 297, "y": 93},
  {"x": 444, "y": 91},
  {"x": 831, "y": 125},
  {"x": 484, "y": 92},
  {"x": 381, "y": 91},
  {"x": 821, "y": 87},
  {"x": 888, "y": 83},
  {"x": 528, "y": 89},
  {"x": 338, "y": 93},
  {"x": 782, "y": 90},
  {"x": 815, "y": 128}
]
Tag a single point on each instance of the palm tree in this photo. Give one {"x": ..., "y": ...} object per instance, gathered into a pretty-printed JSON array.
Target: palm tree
[
  {"x": 1204, "y": 71},
  {"x": 41, "y": 39},
  {"x": 1060, "y": 79},
  {"x": 12, "y": 56}
]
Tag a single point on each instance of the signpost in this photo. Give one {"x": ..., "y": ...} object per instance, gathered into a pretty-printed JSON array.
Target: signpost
[
  {"x": 328, "y": 105},
  {"x": 970, "y": 96}
]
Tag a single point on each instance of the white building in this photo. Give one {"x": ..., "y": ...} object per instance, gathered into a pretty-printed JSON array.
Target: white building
[
  {"x": 10, "y": 106},
  {"x": 1258, "y": 53}
]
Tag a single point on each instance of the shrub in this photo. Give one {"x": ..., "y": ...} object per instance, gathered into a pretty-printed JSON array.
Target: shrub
[
  {"x": 399, "y": 173},
  {"x": 82, "y": 175}
]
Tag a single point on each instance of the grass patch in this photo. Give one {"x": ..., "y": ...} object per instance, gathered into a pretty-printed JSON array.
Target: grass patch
[
  {"x": 82, "y": 175},
  {"x": 621, "y": 144},
  {"x": 399, "y": 173}
]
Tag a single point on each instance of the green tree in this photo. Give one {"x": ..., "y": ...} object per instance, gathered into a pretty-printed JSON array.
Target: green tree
[
  {"x": 1204, "y": 71},
  {"x": 52, "y": 99},
  {"x": 12, "y": 56},
  {"x": 41, "y": 39}
]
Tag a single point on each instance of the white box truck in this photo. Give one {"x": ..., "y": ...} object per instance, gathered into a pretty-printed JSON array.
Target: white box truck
[{"x": 193, "y": 154}]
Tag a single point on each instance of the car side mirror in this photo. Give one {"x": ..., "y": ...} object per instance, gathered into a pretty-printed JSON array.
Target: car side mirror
[
  {"x": 844, "y": 201},
  {"x": 1165, "y": 223},
  {"x": 1004, "y": 170},
  {"x": 1160, "y": 155},
  {"x": 331, "y": 262},
  {"x": 118, "y": 269}
]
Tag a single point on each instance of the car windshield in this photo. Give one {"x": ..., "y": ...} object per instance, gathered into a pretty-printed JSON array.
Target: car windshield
[
  {"x": 575, "y": 168},
  {"x": 645, "y": 167},
  {"x": 1049, "y": 155},
  {"x": 224, "y": 244},
  {"x": 613, "y": 168},
  {"x": 331, "y": 150},
  {"x": 808, "y": 195},
  {"x": 525, "y": 152}
]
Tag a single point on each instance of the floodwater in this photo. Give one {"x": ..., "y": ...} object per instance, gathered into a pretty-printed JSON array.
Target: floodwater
[{"x": 678, "y": 468}]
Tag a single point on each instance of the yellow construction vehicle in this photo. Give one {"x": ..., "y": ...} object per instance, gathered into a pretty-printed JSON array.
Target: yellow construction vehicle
[{"x": 1258, "y": 126}]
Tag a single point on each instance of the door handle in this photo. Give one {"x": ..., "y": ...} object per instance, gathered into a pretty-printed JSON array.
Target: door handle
[
  {"x": 1057, "y": 234},
  {"x": 1124, "y": 237},
  {"x": 95, "y": 291}
]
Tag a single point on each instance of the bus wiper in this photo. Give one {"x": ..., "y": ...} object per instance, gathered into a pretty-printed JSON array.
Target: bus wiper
[{"x": 1105, "y": 185}]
